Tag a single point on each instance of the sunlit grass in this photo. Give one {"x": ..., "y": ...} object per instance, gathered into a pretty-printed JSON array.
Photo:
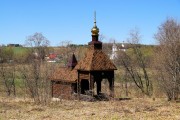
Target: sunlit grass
[{"x": 137, "y": 108}]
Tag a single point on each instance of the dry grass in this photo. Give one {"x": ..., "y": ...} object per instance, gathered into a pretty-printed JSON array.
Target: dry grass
[{"x": 137, "y": 108}]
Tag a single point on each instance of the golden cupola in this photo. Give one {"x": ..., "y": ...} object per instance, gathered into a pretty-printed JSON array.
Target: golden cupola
[
  {"x": 95, "y": 29},
  {"x": 95, "y": 43}
]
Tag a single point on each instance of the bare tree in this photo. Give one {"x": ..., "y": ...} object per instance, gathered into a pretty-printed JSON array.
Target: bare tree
[
  {"x": 135, "y": 64},
  {"x": 168, "y": 58},
  {"x": 39, "y": 44},
  {"x": 36, "y": 71}
]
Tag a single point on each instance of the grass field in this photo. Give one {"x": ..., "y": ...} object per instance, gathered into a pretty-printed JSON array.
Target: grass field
[
  {"x": 19, "y": 50},
  {"x": 135, "y": 109}
]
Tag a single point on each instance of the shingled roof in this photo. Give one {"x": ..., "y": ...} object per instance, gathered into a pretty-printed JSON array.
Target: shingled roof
[
  {"x": 95, "y": 59},
  {"x": 65, "y": 74}
]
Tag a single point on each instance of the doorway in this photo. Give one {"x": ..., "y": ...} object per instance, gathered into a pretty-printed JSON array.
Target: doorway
[{"x": 84, "y": 86}]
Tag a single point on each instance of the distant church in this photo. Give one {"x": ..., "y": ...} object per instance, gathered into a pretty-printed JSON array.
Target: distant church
[
  {"x": 80, "y": 76},
  {"x": 115, "y": 50}
]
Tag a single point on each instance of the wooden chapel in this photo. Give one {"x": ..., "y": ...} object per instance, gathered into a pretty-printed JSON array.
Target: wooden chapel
[{"x": 95, "y": 66}]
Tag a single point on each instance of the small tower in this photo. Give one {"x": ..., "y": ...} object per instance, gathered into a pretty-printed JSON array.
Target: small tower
[
  {"x": 72, "y": 62},
  {"x": 95, "y": 43}
]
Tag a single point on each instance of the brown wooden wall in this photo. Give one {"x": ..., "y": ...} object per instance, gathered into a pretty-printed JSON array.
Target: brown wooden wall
[
  {"x": 83, "y": 75},
  {"x": 61, "y": 90}
]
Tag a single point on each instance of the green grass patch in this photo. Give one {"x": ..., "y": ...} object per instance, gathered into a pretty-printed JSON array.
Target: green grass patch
[
  {"x": 20, "y": 50},
  {"x": 19, "y": 83}
]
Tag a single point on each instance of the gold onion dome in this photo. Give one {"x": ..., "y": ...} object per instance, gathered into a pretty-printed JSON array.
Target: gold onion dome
[{"x": 95, "y": 29}]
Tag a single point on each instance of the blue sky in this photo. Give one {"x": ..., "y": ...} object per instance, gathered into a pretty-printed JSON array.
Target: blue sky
[{"x": 72, "y": 20}]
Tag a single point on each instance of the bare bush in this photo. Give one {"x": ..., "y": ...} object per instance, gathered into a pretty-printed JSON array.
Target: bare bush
[
  {"x": 8, "y": 70},
  {"x": 36, "y": 79}
]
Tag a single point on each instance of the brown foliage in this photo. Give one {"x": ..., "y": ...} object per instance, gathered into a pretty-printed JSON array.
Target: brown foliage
[{"x": 167, "y": 60}]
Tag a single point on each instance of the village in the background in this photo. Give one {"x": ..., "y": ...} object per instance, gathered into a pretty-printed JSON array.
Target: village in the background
[{"x": 58, "y": 54}]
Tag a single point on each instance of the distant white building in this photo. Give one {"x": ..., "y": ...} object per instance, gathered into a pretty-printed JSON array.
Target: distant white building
[
  {"x": 115, "y": 49},
  {"x": 113, "y": 55},
  {"x": 123, "y": 47}
]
